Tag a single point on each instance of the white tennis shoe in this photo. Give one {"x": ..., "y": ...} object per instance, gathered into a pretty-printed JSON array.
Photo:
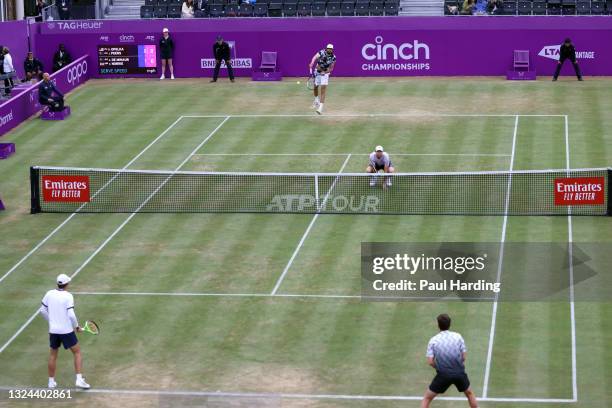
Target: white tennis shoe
[
  {"x": 162, "y": 77},
  {"x": 52, "y": 384},
  {"x": 372, "y": 181},
  {"x": 82, "y": 384},
  {"x": 389, "y": 182}
]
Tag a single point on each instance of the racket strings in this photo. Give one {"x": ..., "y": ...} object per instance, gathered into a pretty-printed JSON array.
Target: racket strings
[{"x": 92, "y": 326}]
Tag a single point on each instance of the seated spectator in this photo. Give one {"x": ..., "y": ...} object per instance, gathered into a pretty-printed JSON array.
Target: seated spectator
[
  {"x": 468, "y": 7},
  {"x": 9, "y": 70},
  {"x": 61, "y": 58},
  {"x": 33, "y": 68},
  {"x": 454, "y": 10},
  {"x": 187, "y": 10},
  {"x": 46, "y": 89},
  {"x": 63, "y": 9},
  {"x": 494, "y": 6},
  {"x": 480, "y": 8},
  {"x": 200, "y": 8},
  {"x": 40, "y": 5}
]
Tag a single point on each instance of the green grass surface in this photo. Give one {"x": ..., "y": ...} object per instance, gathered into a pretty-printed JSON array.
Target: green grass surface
[{"x": 286, "y": 344}]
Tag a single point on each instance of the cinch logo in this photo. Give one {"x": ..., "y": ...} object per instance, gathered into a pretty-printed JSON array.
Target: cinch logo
[
  {"x": 339, "y": 203},
  {"x": 78, "y": 25},
  {"x": 126, "y": 38},
  {"x": 6, "y": 118},
  {"x": 579, "y": 191},
  {"x": 75, "y": 73},
  {"x": 384, "y": 52},
  {"x": 552, "y": 52},
  {"x": 69, "y": 189}
]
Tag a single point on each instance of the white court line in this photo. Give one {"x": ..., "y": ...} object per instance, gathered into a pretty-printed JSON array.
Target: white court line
[
  {"x": 354, "y": 154},
  {"x": 570, "y": 244},
  {"x": 312, "y": 222},
  {"x": 118, "y": 229},
  {"x": 59, "y": 227},
  {"x": 263, "y": 395},
  {"x": 485, "y": 387},
  {"x": 374, "y": 115},
  {"x": 279, "y": 295}
]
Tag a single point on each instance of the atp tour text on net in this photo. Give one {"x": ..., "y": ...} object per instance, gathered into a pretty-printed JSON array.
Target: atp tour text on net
[{"x": 413, "y": 266}]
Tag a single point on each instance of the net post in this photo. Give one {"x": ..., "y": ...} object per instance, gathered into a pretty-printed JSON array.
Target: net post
[
  {"x": 316, "y": 181},
  {"x": 35, "y": 190},
  {"x": 609, "y": 195}
]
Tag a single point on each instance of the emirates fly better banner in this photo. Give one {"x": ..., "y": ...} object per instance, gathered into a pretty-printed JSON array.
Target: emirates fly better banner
[
  {"x": 66, "y": 189},
  {"x": 579, "y": 191}
]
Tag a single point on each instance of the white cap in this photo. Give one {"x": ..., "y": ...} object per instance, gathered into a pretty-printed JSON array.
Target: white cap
[
  {"x": 63, "y": 279},
  {"x": 165, "y": 30},
  {"x": 379, "y": 148},
  {"x": 330, "y": 46}
]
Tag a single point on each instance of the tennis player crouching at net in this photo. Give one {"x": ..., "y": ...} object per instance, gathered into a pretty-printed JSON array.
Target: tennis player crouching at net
[{"x": 380, "y": 160}]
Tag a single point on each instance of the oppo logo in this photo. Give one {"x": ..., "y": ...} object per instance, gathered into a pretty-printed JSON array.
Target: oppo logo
[
  {"x": 406, "y": 51},
  {"x": 75, "y": 73},
  {"x": 6, "y": 118}
]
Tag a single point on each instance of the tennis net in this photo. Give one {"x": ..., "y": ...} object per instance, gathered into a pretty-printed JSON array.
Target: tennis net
[{"x": 534, "y": 192}]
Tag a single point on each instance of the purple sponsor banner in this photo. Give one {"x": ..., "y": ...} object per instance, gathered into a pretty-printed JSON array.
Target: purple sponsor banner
[
  {"x": 21, "y": 107},
  {"x": 374, "y": 46},
  {"x": 14, "y": 35}
]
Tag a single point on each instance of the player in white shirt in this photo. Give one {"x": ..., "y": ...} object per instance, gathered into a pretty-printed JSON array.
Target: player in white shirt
[
  {"x": 380, "y": 160},
  {"x": 7, "y": 65},
  {"x": 58, "y": 309}
]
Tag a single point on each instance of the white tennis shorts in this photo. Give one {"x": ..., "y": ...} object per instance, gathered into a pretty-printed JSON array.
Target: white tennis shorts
[{"x": 321, "y": 79}]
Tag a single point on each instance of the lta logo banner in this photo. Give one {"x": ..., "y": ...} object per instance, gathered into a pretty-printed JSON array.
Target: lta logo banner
[{"x": 552, "y": 52}]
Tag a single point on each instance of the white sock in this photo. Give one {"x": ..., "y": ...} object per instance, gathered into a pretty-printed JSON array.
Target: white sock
[
  {"x": 316, "y": 99},
  {"x": 51, "y": 379},
  {"x": 79, "y": 377},
  {"x": 321, "y": 106}
]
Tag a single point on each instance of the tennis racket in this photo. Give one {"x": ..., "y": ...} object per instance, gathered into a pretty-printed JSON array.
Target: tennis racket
[
  {"x": 91, "y": 327},
  {"x": 310, "y": 82}
]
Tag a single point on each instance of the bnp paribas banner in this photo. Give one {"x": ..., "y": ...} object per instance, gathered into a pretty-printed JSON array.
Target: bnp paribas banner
[
  {"x": 25, "y": 104},
  {"x": 375, "y": 46}
]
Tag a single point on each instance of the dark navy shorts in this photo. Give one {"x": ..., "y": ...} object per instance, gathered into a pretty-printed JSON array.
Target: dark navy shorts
[
  {"x": 441, "y": 382},
  {"x": 378, "y": 167},
  {"x": 68, "y": 340}
]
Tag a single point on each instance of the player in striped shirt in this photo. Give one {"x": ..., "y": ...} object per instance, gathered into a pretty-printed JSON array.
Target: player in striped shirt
[
  {"x": 446, "y": 353},
  {"x": 324, "y": 61},
  {"x": 380, "y": 160}
]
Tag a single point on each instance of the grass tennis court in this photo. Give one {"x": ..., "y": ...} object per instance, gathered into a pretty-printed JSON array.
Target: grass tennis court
[{"x": 265, "y": 308}]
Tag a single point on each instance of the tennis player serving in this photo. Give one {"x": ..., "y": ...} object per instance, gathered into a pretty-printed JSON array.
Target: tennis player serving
[
  {"x": 58, "y": 309},
  {"x": 380, "y": 161},
  {"x": 323, "y": 63}
]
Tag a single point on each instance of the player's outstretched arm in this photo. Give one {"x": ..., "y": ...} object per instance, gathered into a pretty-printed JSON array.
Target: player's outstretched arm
[{"x": 313, "y": 61}]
